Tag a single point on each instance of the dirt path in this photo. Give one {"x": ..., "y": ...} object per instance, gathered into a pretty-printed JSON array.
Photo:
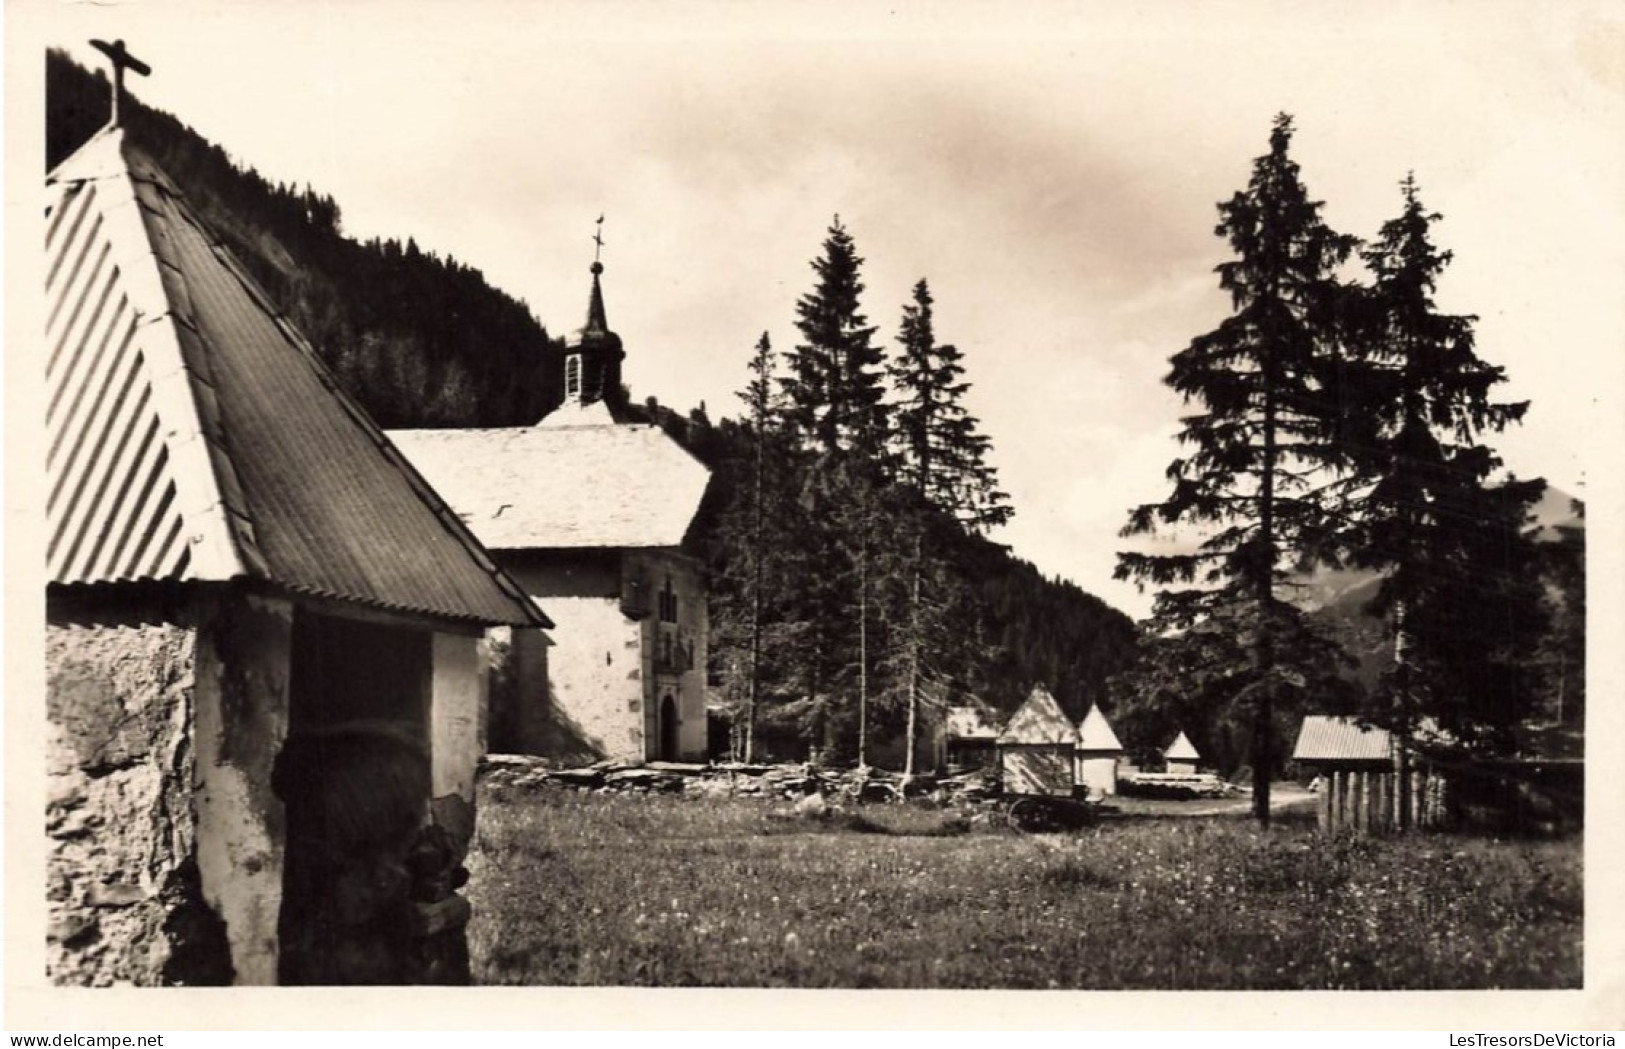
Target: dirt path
[{"x": 1283, "y": 799}]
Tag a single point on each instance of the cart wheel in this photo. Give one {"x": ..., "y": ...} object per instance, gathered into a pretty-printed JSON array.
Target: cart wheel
[{"x": 1026, "y": 815}]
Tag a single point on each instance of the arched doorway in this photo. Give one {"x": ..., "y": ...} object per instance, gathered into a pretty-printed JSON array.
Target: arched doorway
[{"x": 668, "y": 729}]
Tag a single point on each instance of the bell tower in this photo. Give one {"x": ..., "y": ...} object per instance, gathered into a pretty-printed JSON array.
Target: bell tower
[{"x": 593, "y": 354}]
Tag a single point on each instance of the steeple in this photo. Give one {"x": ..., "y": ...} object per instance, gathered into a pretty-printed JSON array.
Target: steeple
[{"x": 593, "y": 354}]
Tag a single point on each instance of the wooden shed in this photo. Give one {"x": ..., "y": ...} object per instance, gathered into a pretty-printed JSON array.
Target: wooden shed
[
  {"x": 1181, "y": 756},
  {"x": 969, "y": 739},
  {"x": 1098, "y": 754},
  {"x": 1358, "y": 766},
  {"x": 1038, "y": 748}
]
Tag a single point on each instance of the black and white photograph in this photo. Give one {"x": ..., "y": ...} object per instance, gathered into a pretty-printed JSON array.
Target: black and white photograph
[{"x": 1052, "y": 497}]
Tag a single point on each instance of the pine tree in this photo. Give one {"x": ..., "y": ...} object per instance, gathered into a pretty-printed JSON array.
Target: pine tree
[
  {"x": 835, "y": 404},
  {"x": 944, "y": 476},
  {"x": 1460, "y": 587},
  {"x": 747, "y": 570},
  {"x": 1563, "y": 649},
  {"x": 1266, "y": 468},
  {"x": 835, "y": 386}
]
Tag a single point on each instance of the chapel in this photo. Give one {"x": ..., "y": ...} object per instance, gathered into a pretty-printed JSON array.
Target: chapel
[{"x": 592, "y": 510}]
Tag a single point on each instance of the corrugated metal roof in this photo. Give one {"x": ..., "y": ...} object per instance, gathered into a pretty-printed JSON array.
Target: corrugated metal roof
[
  {"x": 553, "y": 486},
  {"x": 1182, "y": 749},
  {"x": 129, "y": 488},
  {"x": 1039, "y": 720},
  {"x": 1324, "y": 738},
  {"x": 193, "y": 434},
  {"x": 1095, "y": 732}
]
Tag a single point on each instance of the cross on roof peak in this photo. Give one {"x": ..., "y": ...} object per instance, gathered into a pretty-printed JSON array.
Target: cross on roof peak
[
  {"x": 598, "y": 245},
  {"x": 121, "y": 59}
]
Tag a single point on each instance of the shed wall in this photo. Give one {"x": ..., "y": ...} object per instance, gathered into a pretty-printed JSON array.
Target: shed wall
[
  {"x": 242, "y": 719},
  {"x": 1038, "y": 769},
  {"x": 456, "y": 701},
  {"x": 1098, "y": 772}
]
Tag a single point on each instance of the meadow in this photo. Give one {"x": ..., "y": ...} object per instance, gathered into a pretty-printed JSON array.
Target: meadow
[{"x": 656, "y": 890}]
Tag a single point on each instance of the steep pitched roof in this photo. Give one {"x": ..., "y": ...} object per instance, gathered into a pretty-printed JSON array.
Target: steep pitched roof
[
  {"x": 548, "y": 487},
  {"x": 1039, "y": 720},
  {"x": 1182, "y": 749},
  {"x": 1095, "y": 732},
  {"x": 192, "y": 433}
]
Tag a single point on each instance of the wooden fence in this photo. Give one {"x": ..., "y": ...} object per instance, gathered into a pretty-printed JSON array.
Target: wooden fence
[{"x": 1368, "y": 800}]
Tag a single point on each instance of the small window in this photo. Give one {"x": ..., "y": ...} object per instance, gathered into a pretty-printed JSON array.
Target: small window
[
  {"x": 668, "y": 603},
  {"x": 572, "y": 375}
]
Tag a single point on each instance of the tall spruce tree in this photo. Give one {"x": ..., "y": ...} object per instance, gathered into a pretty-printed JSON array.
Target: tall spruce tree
[
  {"x": 944, "y": 479},
  {"x": 1266, "y": 466},
  {"x": 834, "y": 396},
  {"x": 1460, "y": 587},
  {"x": 835, "y": 387}
]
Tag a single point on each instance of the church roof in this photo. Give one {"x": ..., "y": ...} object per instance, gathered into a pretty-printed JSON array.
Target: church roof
[
  {"x": 193, "y": 435},
  {"x": 562, "y": 486},
  {"x": 1039, "y": 720},
  {"x": 1182, "y": 749},
  {"x": 1095, "y": 732}
]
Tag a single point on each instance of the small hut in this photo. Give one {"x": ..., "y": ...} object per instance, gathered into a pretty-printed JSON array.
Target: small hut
[
  {"x": 1038, "y": 748},
  {"x": 969, "y": 740},
  {"x": 1098, "y": 753},
  {"x": 1358, "y": 770},
  {"x": 1181, "y": 756}
]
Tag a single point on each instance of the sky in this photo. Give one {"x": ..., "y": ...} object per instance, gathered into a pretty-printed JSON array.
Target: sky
[{"x": 1051, "y": 168}]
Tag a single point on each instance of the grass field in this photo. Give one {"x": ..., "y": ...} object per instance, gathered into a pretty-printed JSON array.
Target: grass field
[{"x": 669, "y": 891}]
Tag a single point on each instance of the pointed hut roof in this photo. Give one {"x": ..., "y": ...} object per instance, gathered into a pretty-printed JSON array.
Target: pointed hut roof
[
  {"x": 193, "y": 435},
  {"x": 1181, "y": 749},
  {"x": 1095, "y": 732},
  {"x": 1040, "y": 720}
]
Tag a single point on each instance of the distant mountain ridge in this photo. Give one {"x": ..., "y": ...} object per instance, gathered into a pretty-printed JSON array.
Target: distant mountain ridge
[{"x": 1347, "y": 587}]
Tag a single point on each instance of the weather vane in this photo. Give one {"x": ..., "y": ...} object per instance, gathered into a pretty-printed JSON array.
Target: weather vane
[
  {"x": 122, "y": 60},
  {"x": 598, "y": 239}
]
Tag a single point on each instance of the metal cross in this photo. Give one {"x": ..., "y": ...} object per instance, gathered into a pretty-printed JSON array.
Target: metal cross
[
  {"x": 598, "y": 239},
  {"x": 122, "y": 60}
]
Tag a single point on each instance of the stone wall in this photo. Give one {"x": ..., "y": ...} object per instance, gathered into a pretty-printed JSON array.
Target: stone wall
[{"x": 124, "y": 890}]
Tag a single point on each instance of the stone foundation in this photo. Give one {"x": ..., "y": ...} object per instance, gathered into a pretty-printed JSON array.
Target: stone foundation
[{"x": 123, "y": 886}]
